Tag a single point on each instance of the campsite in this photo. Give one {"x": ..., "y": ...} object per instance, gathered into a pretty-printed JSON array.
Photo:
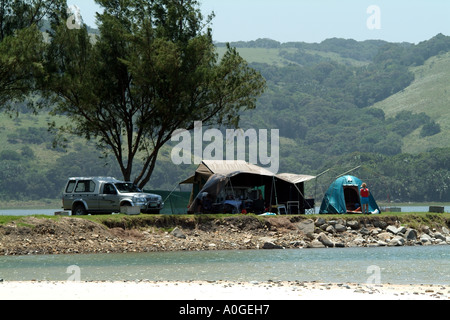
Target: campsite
[
  {"x": 235, "y": 186},
  {"x": 239, "y": 187}
]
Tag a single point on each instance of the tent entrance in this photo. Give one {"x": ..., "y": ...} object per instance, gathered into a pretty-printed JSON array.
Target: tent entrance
[{"x": 351, "y": 195}]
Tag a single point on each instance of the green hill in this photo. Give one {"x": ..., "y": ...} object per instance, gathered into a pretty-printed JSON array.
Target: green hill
[
  {"x": 338, "y": 104},
  {"x": 429, "y": 93}
]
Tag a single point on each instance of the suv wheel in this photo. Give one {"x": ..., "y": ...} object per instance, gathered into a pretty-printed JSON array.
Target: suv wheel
[{"x": 79, "y": 210}]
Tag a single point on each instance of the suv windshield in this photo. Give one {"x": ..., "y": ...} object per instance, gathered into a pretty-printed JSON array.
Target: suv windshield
[{"x": 127, "y": 187}]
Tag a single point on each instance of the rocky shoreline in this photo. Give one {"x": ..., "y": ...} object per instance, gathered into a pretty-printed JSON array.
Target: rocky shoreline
[{"x": 80, "y": 236}]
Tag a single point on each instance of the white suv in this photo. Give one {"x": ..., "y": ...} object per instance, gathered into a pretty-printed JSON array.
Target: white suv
[{"x": 84, "y": 195}]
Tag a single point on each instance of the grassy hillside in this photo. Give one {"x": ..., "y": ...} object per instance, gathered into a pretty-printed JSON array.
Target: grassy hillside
[
  {"x": 429, "y": 93},
  {"x": 320, "y": 97}
]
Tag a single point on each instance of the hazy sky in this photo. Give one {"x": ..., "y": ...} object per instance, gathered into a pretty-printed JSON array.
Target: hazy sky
[{"x": 317, "y": 20}]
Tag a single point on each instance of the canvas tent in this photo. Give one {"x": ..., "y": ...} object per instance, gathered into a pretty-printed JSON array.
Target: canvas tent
[
  {"x": 343, "y": 195},
  {"x": 213, "y": 177}
]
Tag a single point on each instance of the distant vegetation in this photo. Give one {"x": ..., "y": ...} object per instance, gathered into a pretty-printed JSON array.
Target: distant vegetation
[{"x": 320, "y": 96}]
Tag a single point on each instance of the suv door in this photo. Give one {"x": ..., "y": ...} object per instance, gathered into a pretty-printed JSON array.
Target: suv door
[
  {"x": 108, "y": 198},
  {"x": 85, "y": 190}
]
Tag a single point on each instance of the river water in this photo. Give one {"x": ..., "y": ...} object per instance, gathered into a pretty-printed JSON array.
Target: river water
[{"x": 397, "y": 265}]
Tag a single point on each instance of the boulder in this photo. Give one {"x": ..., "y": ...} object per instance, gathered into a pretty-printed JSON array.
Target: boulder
[
  {"x": 364, "y": 231},
  {"x": 439, "y": 236},
  {"x": 358, "y": 241},
  {"x": 316, "y": 244},
  {"x": 330, "y": 229},
  {"x": 380, "y": 224},
  {"x": 401, "y": 230},
  {"x": 325, "y": 240},
  {"x": 384, "y": 236},
  {"x": 177, "y": 233},
  {"x": 425, "y": 238},
  {"x": 271, "y": 246},
  {"x": 411, "y": 235},
  {"x": 396, "y": 241},
  {"x": 392, "y": 229},
  {"x": 319, "y": 222},
  {"x": 353, "y": 224},
  {"x": 306, "y": 226},
  {"x": 340, "y": 228}
]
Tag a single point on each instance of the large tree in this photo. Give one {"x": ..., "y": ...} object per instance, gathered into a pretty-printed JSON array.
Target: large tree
[
  {"x": 21, "y": 46},
  {"x": 153, "y": 69}
]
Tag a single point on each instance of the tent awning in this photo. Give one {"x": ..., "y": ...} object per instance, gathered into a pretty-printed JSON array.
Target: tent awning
[
  {"x": 231, "y": 167},
  {"x": 294, "y": 178}
]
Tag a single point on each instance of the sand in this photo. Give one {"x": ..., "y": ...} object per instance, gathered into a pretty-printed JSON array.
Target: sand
[{"x": 217, "y": 290}]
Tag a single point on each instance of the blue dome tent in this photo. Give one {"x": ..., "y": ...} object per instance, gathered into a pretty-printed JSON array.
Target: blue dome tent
[{"x": 343, "y": 196}]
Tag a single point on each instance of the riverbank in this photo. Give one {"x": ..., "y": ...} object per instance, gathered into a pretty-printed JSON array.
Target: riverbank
[
  {"x": 121, "y": 234},
  {"x": 217, "y": 290}
]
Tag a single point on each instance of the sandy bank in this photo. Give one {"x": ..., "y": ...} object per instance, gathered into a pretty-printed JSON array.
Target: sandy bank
[{"x": 217, "y": 290}]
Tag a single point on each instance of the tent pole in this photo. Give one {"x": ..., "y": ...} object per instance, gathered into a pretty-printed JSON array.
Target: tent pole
[
  {"x": 275, "y": 187},
  {"x": 348, "y": 172}
]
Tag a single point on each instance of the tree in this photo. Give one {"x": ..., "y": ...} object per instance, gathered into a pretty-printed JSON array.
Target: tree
[
  {"x": 152, "y": 70},
  {"x": 21, "y": 46}
]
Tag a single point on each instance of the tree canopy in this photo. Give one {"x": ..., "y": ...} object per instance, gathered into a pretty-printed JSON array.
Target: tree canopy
[
  {"x": 151, "y": 70},
  {"x": 21, "y": 46}
]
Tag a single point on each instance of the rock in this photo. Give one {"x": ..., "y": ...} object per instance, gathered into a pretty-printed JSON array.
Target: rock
[
  {"x": 384, "y": 236},
  {"x": 397, "y": 241},
  {"x": 425, "y": 238},
  {"x": 426, "y": 230},
  {"x": 306, "y": 226},
  {"x": 358, "y": 241},
  {"x": 439, "y": 236},
  {"x": 325, "y": 240},
  {"x": 340, "y": 228},
  {"x": 411, "y": 235},
  {"x": 364, "y": 231},
  {"x": 445, "y": 231},
  {"x": 271, "y": 246},
  {"x": 381, "y": 243},
  {"x": 392, "y": 229},
  {"x": 319, "y": 222},
  {"x": 380, "y": 224},
  {"x": 330, "y": 229},
  {"x": 316, "y": 244},
  {"x": 401, "y": 230},
  {"x": 177, "y": 233},
  {"x": 353, "y": 224}
]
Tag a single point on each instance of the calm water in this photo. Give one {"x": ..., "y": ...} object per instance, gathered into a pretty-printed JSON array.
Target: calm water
[{"x": 402, "y": 265}]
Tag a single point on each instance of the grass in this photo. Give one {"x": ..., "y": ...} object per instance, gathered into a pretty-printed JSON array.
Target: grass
[
  {"x": 168, "y": 222},
  {"x": 428, "y": 93}
]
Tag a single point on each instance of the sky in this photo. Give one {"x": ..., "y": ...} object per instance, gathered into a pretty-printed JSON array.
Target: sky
[{"x": 316, "y": 20}]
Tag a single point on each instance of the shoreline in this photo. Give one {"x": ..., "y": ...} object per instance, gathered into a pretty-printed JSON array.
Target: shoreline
[
  {"x": 66, "y": 235},
  {"x": 218, "y": 290}
]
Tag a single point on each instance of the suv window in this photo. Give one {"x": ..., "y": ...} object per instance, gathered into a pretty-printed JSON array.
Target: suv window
[
  {"x": 109, "y": 189},
  {"x": 70, "y": 186},
  {"x": 85, "y": 186},
  {"x": 127, "y": 187}
]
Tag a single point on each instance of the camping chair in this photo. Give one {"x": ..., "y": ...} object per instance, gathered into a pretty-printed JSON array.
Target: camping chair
[{"x": 279, "y": 209}]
